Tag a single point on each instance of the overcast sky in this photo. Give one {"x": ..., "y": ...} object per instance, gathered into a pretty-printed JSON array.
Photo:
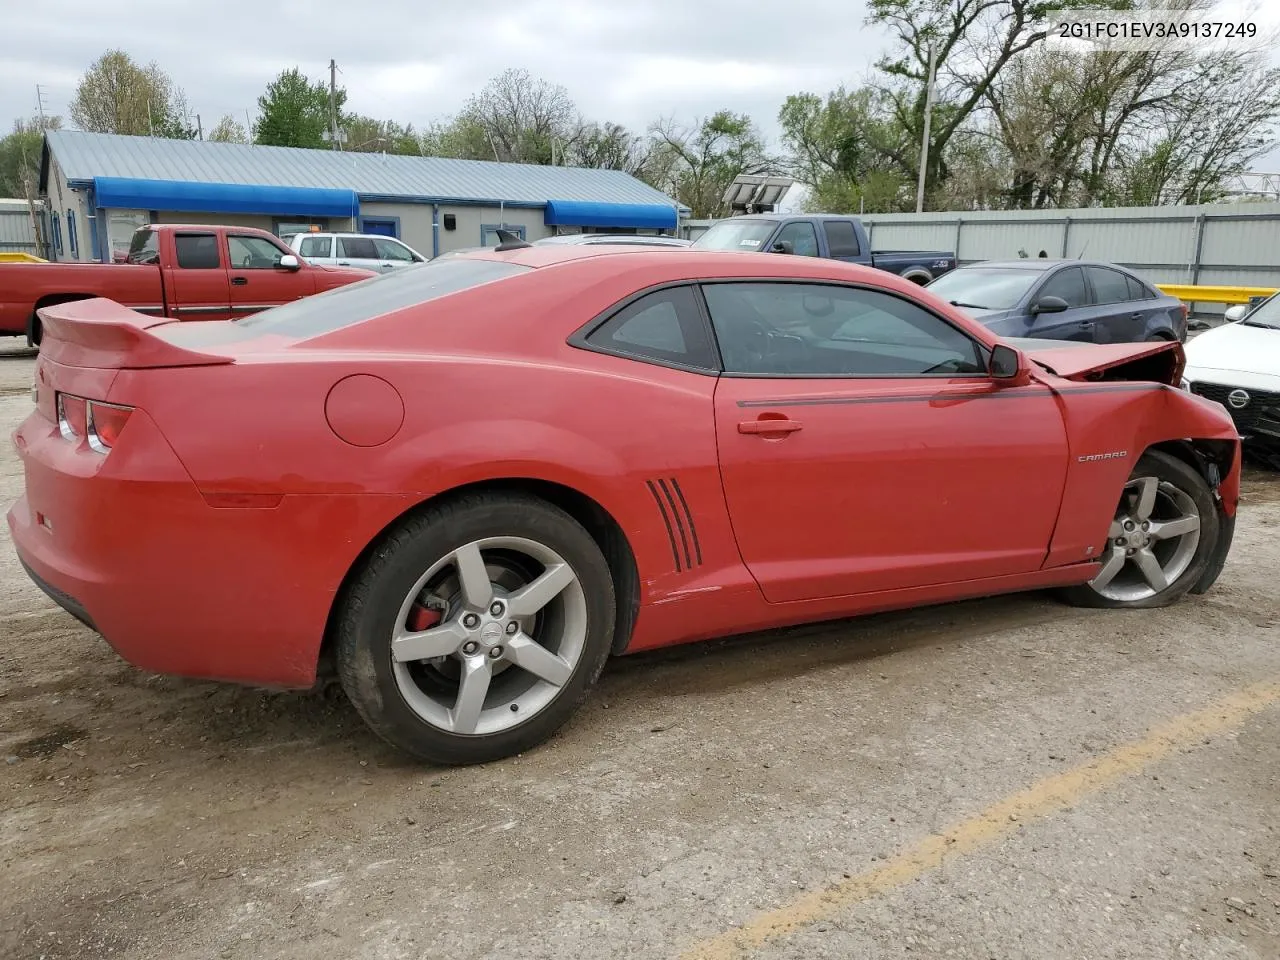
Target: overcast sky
[
  {"x": 415, "y": 61},
  {"x": 629, "y": 61}
]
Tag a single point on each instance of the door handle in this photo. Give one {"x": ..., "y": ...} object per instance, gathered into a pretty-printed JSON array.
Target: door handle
[
  {"x": 344, "y": 263},
  {"x": 765, "y": 426},
  {"x": 1135, "y": 316},
  {"x": 239, "y": 281}
]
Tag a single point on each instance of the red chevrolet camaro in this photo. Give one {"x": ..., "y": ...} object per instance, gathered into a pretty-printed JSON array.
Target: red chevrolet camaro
[{"x": 472, "y": 481}]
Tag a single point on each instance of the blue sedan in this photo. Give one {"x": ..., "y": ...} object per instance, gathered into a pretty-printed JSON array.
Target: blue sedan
[{"x": 1063, "y": 300}]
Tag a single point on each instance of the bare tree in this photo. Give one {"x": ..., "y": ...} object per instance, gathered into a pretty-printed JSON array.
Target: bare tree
[
  {"x": 117, "y": 95},
  {"x": 523, "y": 119},
  {"x": 698, "y": 163},
  {"x": 228, "y": 130}
]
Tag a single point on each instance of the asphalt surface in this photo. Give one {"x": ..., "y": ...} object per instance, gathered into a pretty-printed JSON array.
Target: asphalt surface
[{"x": 1002, "y": 778}]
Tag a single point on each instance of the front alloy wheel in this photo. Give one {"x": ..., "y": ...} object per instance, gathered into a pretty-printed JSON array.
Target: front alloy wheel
[{"x": 1160, "y": 540}]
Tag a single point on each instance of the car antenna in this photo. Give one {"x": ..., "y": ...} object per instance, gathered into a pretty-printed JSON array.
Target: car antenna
[
  {"x": 510, "y": 241},
  {"x": 1080, "y": 255}
]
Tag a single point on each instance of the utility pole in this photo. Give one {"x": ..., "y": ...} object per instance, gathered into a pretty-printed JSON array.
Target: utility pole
[
  {"x": 928, "y": 115},
  {"x": 151, "y": 124},
  {"x": 199, "y": 127},
  {"x": 333, "y": 103}
]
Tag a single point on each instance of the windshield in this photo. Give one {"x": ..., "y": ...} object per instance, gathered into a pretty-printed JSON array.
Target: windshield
[
  {"x": 1266, "y": 314},
  {"x": 982, "y": 288},
  {"x": 736, "y": 235}
]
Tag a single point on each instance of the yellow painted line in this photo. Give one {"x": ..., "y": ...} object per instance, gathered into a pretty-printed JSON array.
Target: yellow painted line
[{"x": 998, "y": 820}]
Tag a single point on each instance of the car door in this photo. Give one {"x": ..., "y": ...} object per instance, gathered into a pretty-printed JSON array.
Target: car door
[
  {"x": 392, "y": 254},
  {"x": 257, "y": 279},
  {"x": 1074, "y": 323},
  {"x": 198, "y": 285},
  {"x": 358, "y": 252},
  {"x": 1116, "y": 317},
  {"x": 863, "y": 447}
]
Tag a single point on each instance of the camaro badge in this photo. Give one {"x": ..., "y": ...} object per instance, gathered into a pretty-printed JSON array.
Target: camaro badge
[{"x": 1113, "y": 455}]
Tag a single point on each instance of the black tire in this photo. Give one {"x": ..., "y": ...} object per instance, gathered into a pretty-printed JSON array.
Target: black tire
[
  {"x": 368, "y": 611},
  {"x": 1167, "y": 469},
  {"x": 34, "y": 331}
]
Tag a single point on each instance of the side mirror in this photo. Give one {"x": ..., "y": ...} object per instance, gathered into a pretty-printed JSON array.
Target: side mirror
[
  {"x": 784, "y": 246},
  {"x": 1008, "y": 365},
  {"x": 1049, "y": 305},
  {"x": 289, "y": 262},
  {"x": 1236, "y": 313}
]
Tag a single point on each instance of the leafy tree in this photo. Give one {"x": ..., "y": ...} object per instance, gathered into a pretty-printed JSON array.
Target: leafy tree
[
  {"x": 294, "y": 112},
  {"x": 367, "y": 135},
  {"x": 20, "y": 156},
  {"x": 848, "y": 149},
  {"x": 228, "y": 130},
  {"x": 698, "y": 163},
  {"x": 117, "y": 95}
]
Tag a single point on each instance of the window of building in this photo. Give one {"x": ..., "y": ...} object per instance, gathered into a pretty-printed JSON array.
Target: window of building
[{"x": 72, "y": 242}]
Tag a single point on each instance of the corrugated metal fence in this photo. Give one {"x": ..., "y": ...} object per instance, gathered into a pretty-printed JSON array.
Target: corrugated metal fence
[
  {"x": 17, "y": 234},
  {"x": 1210, "y": 245}
]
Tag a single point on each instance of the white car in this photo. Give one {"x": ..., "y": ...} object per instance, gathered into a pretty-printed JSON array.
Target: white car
[
  {"x": 367, "y": 250},
  {"x": 1238, "y": 365}
]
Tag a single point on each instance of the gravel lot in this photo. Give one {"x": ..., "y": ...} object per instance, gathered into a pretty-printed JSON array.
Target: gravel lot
[{"x": 697, "y": 791}]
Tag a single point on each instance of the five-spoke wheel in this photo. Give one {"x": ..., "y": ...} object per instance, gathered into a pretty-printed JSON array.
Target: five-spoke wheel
[
  {"x": 475, "y": 629},
  {"x": 1160, "y": 540}
]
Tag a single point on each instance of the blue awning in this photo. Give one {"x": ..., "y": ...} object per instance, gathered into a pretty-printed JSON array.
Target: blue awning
[
  {"x": 583, "y": 213},
  {"x": 188, "y": 196}
]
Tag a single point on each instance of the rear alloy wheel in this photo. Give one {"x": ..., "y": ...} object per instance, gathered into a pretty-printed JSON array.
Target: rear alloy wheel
[
  {"x": 476, "y": 629},
  {"x": 1160, "y": 541}
]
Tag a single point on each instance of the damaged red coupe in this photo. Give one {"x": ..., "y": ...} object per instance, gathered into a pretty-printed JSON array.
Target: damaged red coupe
[{"x": 468, "y": 483}]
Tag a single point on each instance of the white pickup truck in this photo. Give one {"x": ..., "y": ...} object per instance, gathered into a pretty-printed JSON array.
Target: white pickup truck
[{"x": 366, "y": 250}]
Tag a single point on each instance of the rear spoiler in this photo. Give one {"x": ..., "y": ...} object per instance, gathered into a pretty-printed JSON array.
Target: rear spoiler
[{"x": 102, "y": 333}]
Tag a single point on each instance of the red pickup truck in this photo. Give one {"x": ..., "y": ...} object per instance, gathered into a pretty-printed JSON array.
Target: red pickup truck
[{"x": 182, "y": 271}]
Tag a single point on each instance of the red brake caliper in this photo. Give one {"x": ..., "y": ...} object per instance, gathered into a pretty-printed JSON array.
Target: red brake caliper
[{"x": 422, "y": 618}]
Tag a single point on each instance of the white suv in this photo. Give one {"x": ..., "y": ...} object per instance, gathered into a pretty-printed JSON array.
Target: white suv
[{"x": 367, "y": 250}]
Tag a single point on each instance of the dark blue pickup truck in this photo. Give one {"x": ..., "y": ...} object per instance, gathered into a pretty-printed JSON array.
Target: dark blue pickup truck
[{"x": 823, "y": 235}]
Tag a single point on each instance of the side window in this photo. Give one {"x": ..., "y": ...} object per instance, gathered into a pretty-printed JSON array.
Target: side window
[
  {"x": 393, "y": 250},
  {"x": 1109, "y": 286},
  {"x": 197, "y": 251},
  {"x": 842, "y": 239},
  {"x": 1137, "y": 289},
  {"x": 823, "y": 330},
  {"x": 1069, "y": 285},
  {"x": 357, "y": 248},
  {"x": 252, "y": 253},
  {"x": 801, "y": 236},
  {"x": 316, "y": 247},
  {"x": 665, "y": 325}
]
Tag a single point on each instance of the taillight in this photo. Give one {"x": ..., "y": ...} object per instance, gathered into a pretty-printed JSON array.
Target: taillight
[
  {"x": 93, "y": 420},
  {"x": 73, "y": 416},
  {"x": 106, "y": 420}
]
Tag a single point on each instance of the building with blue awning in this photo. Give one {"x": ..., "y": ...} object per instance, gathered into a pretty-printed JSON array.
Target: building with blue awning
[{"x": 99, "y": 188}]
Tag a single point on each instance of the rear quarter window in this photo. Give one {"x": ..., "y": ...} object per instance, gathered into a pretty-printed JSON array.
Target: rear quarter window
[{"x": 386, "y": 293}]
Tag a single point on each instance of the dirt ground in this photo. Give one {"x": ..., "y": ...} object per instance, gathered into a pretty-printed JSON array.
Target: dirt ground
[{"x": 148, "y": 817}]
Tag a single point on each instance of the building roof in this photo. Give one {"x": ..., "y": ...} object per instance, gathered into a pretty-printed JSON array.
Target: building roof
[{"x": 82, "y": 157}]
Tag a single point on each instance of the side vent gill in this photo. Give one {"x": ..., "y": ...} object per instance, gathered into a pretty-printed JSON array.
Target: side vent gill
[{"x": 682, "y": 532}]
